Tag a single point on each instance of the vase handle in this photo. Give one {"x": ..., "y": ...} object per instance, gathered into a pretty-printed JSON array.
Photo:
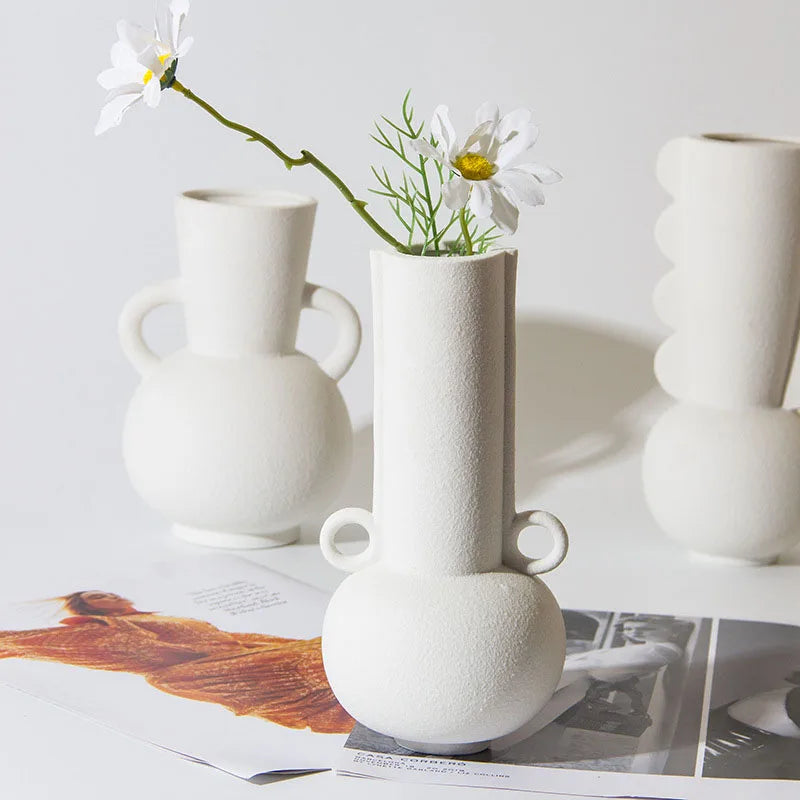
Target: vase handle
[
  {"x": 513, "y": 557},
  {"x": 346, "y": 349},
  {"x": 132, "y": 317},
  {"x": 332, "y": 526}
]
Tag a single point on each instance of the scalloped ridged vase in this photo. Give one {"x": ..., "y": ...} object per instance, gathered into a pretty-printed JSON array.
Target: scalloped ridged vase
[{"x": 722, "y": 467}]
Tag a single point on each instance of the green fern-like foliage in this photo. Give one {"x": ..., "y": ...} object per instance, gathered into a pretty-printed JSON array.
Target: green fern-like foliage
[{"x": 415, "y": 197}]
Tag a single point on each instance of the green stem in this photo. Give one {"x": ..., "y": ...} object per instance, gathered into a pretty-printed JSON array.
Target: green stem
[
  {"x": 462, "y": 215},
  {"x": 428, "y": 199},
  {"x": 447, "y": 227},
  {"x": 359, "y": 206}
]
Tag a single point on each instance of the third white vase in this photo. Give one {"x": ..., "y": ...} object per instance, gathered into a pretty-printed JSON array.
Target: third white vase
[
  {"x": 442, "y": 637},
  {"x": 722, "y": 467}
]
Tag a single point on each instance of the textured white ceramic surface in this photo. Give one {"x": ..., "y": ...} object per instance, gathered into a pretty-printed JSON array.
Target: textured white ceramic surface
[
  {"x": 725, "y": 482},
  {"x": 239, "y": 437},
  {"x": 733, "y": 233},
  {"x": 721, "y": 470},
  {"x": 442, "y": 637}
]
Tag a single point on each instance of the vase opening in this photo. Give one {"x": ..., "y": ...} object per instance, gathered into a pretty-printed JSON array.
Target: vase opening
[
  {"x": 251, "y": 198},
  {"x": 748, "y": 139},
  {"x": 416, "y": 254}
]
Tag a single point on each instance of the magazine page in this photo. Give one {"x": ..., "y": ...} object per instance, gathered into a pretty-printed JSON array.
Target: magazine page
[
  {"x": 649, "y": 705},
  {"x": 213, "y": 657}
]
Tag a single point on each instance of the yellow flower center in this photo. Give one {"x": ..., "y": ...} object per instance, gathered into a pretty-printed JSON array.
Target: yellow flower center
[
  {"x": 148, "y": 76},
  {"x": 474, "y": 166}
]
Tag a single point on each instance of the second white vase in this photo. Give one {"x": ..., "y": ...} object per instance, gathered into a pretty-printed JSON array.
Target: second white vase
[
  {"x": 238, "y": 437},
  {"x": 443, "y": 638}
]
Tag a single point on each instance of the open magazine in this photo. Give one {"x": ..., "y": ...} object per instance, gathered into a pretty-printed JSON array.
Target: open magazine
[
  {"x": 219, "y": 659},
  {"x": 213, "y": 657},
  {"x": 648, "y": 706}
]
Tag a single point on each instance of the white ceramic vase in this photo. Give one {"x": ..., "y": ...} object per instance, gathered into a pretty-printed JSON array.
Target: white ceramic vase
[
  {"x": 239, "y": 437},
  {"x": 722, "y": 467},
  {"x": 443, "y": 638}
]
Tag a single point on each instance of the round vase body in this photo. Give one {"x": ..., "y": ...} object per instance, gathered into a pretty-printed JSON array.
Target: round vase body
[
  {"x": 725, "y": 482},
  {"x": 247, "y": 446},
  {"x": 443, "y": 660}
]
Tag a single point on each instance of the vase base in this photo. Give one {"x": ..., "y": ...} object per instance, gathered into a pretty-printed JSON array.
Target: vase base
[
  {"x": 235, "y": 541},
  {"x": 730, "y": 561},
  {"x": 437, "y": 749}
]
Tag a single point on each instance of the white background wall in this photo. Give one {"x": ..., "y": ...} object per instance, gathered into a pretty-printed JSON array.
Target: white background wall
[{"x": 85, "y": 222}]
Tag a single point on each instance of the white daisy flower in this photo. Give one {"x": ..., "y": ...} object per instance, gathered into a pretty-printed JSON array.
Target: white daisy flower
[
  {"x": 141, "y": 60},
  {"x": 489, "y": 174}
]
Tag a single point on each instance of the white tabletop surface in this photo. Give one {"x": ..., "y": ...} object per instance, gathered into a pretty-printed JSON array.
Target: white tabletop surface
[{"x": 618, "y": 560}]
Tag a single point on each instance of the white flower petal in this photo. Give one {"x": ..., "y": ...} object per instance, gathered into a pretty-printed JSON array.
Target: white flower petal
[
  {"x": 111, "y": 78},
  {"x": 184, "y": 47},
  {"x": 523, "y": 186},
  {"x": 443, "y": 132},
  {"x": 426, "y": 149},
  {"x": 455, "y": 193},
  {"x": 122, "y": 55},
  {"x": 119, "y": 91},
  {"x": 480, "y": 199},
  {"x": 111, "y": 114},
  {"x": 489, "y": 148},
  {"x": 120, "y": 76},
  {"x": 542, "y": 173},
  {"x": 488, "y": 112},
  {"x": 504, "y": 213},
  {"x": 162, "y": 49},
  {"x": 150, "y": 61},
  {"x": 152, "y": 93},
  {"x": 513, "y": 148},
  {"x": 513, "y": 122},
  {"x": 481, "y": 134},
  {"x": 178, "y": 9},
  {"x": 164, "y": 31},
  {"x": 134, "y": 36}
]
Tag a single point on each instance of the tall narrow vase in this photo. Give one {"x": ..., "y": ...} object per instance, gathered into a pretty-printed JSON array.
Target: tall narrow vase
[
  {"x": 442, "y": 637},
  {"x": 239, "y": 437},
  {"x": 722, "y": 467}
]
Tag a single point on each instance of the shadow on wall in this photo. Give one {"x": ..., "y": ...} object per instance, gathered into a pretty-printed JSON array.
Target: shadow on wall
[
  {"x": 357, "y": 491},
  {"x": 573, "y": 381}
]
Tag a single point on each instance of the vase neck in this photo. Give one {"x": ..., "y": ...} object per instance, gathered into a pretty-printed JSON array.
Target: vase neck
[
  {"x": 243, "y": 261},
  {"x": 442, "y": 334},
  {"x": 733, "y": 234}
]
